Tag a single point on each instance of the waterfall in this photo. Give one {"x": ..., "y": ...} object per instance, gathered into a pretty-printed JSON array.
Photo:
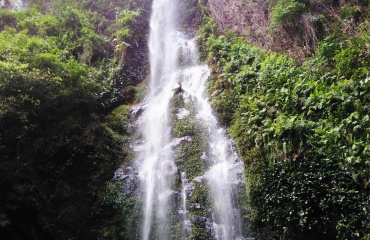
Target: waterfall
[
  {"x": 14, "y": 5},
  {"x": 158, "y": 165},
  {"x": 172, "y": 202}
]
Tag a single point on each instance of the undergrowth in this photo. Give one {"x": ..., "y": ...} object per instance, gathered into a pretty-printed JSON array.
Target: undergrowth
[{"x": 302, "y": 131}]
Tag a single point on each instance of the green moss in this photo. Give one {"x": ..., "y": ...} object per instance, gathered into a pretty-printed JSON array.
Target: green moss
[
  {"x": 188, "y": 153},
  {"x": 188, "y": 158},
  {"x": 176, "y": 184},
  {"x": 186, "y": 127},
  {"x": 201, "y": 196},
  {"x": 199, "y": 233},
  {"x": 177, "y": 102},
  {"x": 141, "y": 91},
  {"x": 119, "y": 119},
  {"x": 198, "y": 205}
]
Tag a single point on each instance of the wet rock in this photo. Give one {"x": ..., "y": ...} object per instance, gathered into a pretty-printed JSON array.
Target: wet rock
[
  {"x": 137, "y": 146},
  {"x": 170, "y": 168},
  {"x": 183, "y": 212},
  {"x": 198, "y": 220},
  {"x": 204, "y": 221},
  {"x": 182, "y": 113},
  {"x": 189, "y": 188},
  {"x": 177, "y": 141},
  {"x": 136, "y": 113},
  {"x": 198, "y": 179},
  {"x": 119, "y": 174},
  {"x": 137, "y": 110},
  {"x": 130, "y": 179},
  {"x": 195, "y": 206},
  {"x": 187, "y": 225}
]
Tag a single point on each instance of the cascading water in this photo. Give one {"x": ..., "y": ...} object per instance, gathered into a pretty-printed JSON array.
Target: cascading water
[
  {"x": 225, "y": 168},
  {"x": 158, "y": 166},
  {"x": 175, "y": 67}
]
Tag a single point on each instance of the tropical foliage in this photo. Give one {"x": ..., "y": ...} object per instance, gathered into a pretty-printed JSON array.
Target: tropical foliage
[
  {"x": 62, "y": 134},
  {"x": 303, "y": 133}
]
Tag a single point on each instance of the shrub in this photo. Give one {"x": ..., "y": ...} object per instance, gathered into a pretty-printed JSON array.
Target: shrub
[{"x": 285, "y": 12}]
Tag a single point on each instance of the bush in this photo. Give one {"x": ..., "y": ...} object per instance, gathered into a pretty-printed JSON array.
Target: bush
[
  {"x": 302, "y": 132},
  {"x": 285, "y": 12}
]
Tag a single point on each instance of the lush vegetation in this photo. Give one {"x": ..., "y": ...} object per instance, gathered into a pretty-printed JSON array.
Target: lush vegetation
[
  {"x": 303, "y": 132},
  {"x": 69, "y": 70},
  {"x": 285, "y": 12},
  {"x": 66, "y": 71}
]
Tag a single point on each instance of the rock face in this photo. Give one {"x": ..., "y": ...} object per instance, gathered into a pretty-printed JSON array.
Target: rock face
[
  {"x": 251, "y": 19},
  {"x": 130, "y": 179},
  {"x": 244, "y": 17}
]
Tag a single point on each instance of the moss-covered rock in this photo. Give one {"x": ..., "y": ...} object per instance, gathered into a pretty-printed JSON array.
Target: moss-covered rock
[
  {"x": 189, "y": 158},
  {"x": 188, "y": 154}
]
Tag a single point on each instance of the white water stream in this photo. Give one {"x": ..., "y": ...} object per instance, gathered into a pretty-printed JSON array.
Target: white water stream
[{"x": 156, "y": 161}]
